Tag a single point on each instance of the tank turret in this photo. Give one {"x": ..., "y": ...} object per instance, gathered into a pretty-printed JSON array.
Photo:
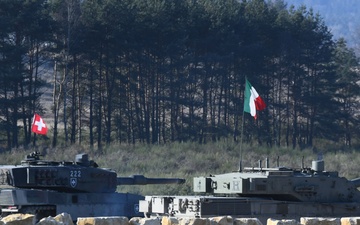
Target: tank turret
[
  {"x": 82, "y": 175},
  {"x": 280, "y": 183},
  {"x": 264, "y": 192},
  {"x": 80, "y": 188}
]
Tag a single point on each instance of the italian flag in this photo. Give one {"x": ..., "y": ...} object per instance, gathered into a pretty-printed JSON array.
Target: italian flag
[{"x": 252, "y": 101}]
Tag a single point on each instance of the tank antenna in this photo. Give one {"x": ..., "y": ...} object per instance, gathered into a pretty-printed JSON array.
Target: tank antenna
[{"x": 302, "y": 163}]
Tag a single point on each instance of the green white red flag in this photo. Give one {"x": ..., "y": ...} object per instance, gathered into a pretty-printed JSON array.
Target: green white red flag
[{"x": 252, "y": 102}]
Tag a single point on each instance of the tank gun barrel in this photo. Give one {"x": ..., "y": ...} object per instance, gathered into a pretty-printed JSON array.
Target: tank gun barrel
[
  {"x": 356, "y": 181},
  {"x": 141, "y": 180}
]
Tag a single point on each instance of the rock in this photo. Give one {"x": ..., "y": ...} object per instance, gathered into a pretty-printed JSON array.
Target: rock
[
  {"x": 64, "y": 218},
  {"x": 271, "y": 221},
  {"x": 350, "y": 221},
  {"x": 319, "y": 221},
  {"x": 49, "y": 221},
  {"x": 19, "y": 219},
  {"x": 169, "y": 221},
  {"x": 61, "y": 219},
  {"x": 222, "y": 220},
  {"x": 135, "y": 220},
  {"x": 247, "y": 221},
  {"x": 144, "y": 221},
  {"x": 115, "y": 220},
  {"x": 194, "y": 221}
]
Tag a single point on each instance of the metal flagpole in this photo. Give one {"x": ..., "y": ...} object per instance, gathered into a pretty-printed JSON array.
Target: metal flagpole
[
  {"x": 241, "y": 141},
  {"x": 242, "y": 132}
]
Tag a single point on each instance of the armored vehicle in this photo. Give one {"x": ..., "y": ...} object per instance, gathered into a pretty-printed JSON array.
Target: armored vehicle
[
  {"x": 264, "y": 192},
  {"x": 80, "y": 188}
]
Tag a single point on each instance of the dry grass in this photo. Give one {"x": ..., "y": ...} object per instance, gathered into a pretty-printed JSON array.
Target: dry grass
[{"x": 186, "y": 160}]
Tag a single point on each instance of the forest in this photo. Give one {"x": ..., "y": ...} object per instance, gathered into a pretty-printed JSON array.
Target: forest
[{"x": 162, "y": 71}]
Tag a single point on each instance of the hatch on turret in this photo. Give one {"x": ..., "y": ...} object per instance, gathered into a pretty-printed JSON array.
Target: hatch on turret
[
  {"x": 230, "y": 183},
  {"x": 221, "y": 185}
]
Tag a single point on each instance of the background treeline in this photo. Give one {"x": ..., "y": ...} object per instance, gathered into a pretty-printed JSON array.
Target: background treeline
[{"x": 158, "y": 71}]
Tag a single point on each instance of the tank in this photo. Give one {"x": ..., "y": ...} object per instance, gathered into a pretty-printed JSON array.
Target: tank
[
  {"x": 80, "y": 188},
  {"x": 264, "y": 192}
]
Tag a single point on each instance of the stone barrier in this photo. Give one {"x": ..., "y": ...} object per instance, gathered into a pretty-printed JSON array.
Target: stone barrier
[
  {"x": 19, "y": 219},
  {"x": 271, "y": 221},
  {"x": 115, "y": 220},
  {"x": 319, "y": 221},
  {"x": 144, "y": 221},
  {"x": 61, "y": 219},
  {"x": 350, "y": 221},
  {"x": 221, "y": 220},
  {"x": 194, "y": 221},
  {"x": 166, "y": 220},
  {"x": 65, "y": 219},
  {"x": 247, "y": 221}
]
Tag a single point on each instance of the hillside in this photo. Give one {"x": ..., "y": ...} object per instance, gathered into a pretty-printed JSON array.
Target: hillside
[
  {"x": 187, "y": 160},
  {"x": 342, "y": 17}
]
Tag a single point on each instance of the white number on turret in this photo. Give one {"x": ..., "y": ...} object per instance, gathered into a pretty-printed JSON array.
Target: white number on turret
[{"x": 75, "y": 173}]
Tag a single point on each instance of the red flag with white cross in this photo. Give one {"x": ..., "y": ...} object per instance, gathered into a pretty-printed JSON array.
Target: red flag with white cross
[{"x": 38, "y": 125}]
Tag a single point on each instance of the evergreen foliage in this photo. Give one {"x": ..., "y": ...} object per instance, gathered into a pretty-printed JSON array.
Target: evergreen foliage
[{"x": 163, "y": 71}]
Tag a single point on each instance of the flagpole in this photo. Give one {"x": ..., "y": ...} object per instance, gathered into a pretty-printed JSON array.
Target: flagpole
[
  {"x": 242, "y": 131},
  {"x": 32, "y": 123},
  {"x": 241, "y": 141},
  {"x": 34, "y": 140}
]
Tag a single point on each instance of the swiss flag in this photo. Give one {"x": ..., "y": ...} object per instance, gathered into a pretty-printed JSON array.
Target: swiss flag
[{"x": 38, "y": 125}]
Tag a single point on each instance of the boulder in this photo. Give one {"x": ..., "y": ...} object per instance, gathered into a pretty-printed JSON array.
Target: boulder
[
  {"x": 135, "y": 220},
  {"x": 350, "y": 221},
  {"x": 115, "y": 220},
  {"x": 194, "y": 221},
  {"x": 319, "y": 221},
  {"x": 61, "y": 219},
  {"x": 49, "y": 221},
  {"x": 64, "y": 218},
  {"x": 144, "y": 221},
  {"x": 222, "y": 220},
  {"x": 169, "y": 221},
  {"x": 247, "y": 221},
  {"x": 19, "y": 219},
  {"x": 271, "y": 221}
]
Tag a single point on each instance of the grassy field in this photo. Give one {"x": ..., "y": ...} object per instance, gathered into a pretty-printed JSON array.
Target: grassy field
[{"x": 187, "y": 160}]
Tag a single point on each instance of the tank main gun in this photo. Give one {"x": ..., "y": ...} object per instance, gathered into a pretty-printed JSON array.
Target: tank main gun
[
  {"x": 356, "y": 182},
  {"x": 141, "y": 180}
]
